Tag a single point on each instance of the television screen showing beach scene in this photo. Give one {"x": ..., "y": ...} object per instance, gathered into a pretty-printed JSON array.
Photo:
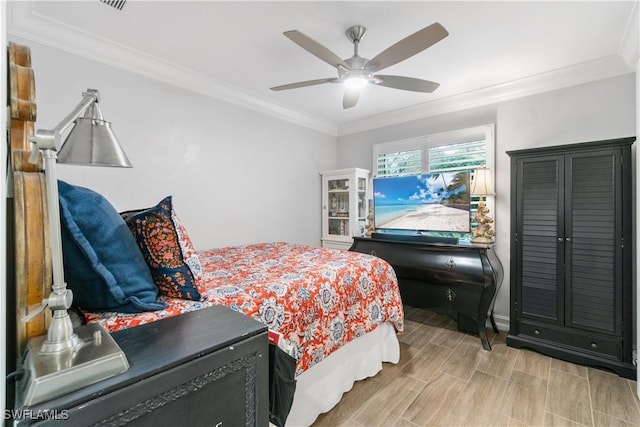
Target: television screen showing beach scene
[{"x": 426, "y": 202}]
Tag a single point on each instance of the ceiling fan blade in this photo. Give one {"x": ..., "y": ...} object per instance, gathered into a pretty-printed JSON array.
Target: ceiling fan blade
[
  {"x": 350, "y": 98},
  {"x": 315, "y": 48},
  {"x": 305, "y": 83},
  {"x": 406, "y": 83},
  {"x": 407, "y": 47}
]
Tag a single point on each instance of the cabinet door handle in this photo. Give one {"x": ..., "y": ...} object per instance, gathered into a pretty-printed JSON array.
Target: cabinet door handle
[
  {"x": 450, "y": 264},
  {"x": 450, "y": 294},
  {"x": 568, "y": 239}
]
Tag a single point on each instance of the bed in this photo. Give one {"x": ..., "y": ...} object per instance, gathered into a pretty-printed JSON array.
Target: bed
[
  {"x": 320, "y": 300},
  {"x": 338, "y": 313}
]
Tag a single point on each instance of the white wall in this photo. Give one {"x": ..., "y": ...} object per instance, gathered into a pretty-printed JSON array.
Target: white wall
[
  {"x": 594, "y": 111},
  {"x": 236, "y": 176}
]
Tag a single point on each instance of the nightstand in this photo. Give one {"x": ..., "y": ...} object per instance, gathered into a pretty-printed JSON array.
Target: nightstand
[{"x": 207, "y": 367}]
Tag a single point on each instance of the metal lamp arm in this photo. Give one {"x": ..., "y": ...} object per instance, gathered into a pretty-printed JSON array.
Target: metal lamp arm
[
  {"x": 50, "y": 139},
  {"x": 89, "y": 97}
]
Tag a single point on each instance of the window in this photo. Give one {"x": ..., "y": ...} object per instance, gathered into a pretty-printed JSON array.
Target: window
[
  {"x": 450, "y": 151},
  {"x": 463, "y": 149}
]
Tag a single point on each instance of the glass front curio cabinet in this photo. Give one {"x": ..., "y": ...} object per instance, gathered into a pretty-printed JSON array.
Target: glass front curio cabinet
[{"x": 344, "y": 206}]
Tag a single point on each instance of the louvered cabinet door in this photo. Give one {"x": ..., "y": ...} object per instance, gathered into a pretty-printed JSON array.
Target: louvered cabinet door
[
  {"x": 593, "y": 241},
  {"x": 540, "y": 254}
]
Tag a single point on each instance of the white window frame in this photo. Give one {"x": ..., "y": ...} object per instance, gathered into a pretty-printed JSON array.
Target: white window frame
[{"x": 424, "y": 142}]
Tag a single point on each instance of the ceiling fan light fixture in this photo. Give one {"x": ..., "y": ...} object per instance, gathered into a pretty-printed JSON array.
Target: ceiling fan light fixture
[
  {"x": 357, "y": 72},
  {"x": 356, "y": 82}
]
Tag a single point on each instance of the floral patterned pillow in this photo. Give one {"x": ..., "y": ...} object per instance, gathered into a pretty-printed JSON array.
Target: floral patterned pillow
[{"x": 160, "y": 241}]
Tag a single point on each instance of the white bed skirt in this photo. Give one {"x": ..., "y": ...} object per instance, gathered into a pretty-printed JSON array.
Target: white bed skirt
[{"x": 320, "y": 387}]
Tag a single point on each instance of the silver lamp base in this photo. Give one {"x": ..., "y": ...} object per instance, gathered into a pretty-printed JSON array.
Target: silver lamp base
[{"x": 51, "y": 375}]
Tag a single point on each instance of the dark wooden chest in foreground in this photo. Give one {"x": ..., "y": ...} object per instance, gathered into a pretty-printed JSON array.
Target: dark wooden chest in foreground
[
  {"x": 204, "y": 368},
  {"x": 459, "y": 279}
]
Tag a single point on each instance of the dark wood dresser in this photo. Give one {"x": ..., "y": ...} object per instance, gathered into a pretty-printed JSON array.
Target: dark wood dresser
[
  {"x": 460, "y": 279},
  {"x": 204, "y": 368}
]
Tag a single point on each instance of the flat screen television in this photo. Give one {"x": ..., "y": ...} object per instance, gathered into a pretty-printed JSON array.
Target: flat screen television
[{"x": 436, "y": 202}]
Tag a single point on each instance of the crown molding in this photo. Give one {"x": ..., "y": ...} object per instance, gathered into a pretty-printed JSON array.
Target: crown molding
[
  {"x": 629, "y": 48},
  {"x": 610, "y": 66},
  {"x": 24, "y": 22}
]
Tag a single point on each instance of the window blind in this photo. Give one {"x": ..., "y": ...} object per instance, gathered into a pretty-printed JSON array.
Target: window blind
[
  {"x": 458, "y": 156},
  {"x": 405, "y": 162}
]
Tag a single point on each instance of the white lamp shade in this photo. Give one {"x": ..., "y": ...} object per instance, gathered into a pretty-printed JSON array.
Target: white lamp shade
[{"x": 482, "y": 183}]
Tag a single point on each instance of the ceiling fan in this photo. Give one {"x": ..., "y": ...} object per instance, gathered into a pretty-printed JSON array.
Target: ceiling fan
[{"x": 356, "y": 72}]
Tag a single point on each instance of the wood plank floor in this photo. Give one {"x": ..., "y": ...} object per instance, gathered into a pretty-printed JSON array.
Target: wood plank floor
[{"x": 445, "y": 378}]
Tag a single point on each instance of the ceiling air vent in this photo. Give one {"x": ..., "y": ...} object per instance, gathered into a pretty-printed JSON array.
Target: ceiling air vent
[{"x": 118, "y": 4}]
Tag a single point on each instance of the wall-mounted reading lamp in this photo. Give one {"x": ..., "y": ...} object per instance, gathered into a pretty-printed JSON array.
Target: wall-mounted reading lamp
[{"x": 66, "y": 359}]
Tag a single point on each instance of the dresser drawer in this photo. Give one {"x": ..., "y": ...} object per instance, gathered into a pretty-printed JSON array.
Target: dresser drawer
[
  {"x": 579, "y": 340},
  {"x": 433, "y": 264},
  {"x": 454, "y": 296}
]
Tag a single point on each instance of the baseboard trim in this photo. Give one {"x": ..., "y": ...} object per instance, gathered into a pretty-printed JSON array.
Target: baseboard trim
[{"x": 501, "y": 321}]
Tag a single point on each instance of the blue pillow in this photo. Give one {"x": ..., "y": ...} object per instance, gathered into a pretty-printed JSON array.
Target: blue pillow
[{"x": 103, "y": 265}]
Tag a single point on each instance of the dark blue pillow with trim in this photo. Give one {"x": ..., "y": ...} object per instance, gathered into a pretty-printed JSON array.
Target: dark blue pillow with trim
[
  {"x": 103, "y": 265},
  {"x": 155, "y": 233}
]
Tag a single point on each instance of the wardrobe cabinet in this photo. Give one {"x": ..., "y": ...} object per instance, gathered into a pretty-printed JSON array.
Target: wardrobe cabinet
[{"x": 571, "y": 253}]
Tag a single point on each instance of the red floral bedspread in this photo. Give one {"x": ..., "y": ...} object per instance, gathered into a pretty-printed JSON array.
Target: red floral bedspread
[{"x": 317, "y": 298}]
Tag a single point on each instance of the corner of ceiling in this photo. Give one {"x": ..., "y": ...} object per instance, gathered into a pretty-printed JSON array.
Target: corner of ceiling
[
  {"x": 629, "y": 48},
  {"x": 24, "y": 22},
  {"x": 625, "y": 61},
  {"x": 598, "y": 69}
]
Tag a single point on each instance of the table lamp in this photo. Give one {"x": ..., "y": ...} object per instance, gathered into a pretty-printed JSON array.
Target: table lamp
[
  {"x": 67, "y": 359},
  {"x": 481, "y": 185}
]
